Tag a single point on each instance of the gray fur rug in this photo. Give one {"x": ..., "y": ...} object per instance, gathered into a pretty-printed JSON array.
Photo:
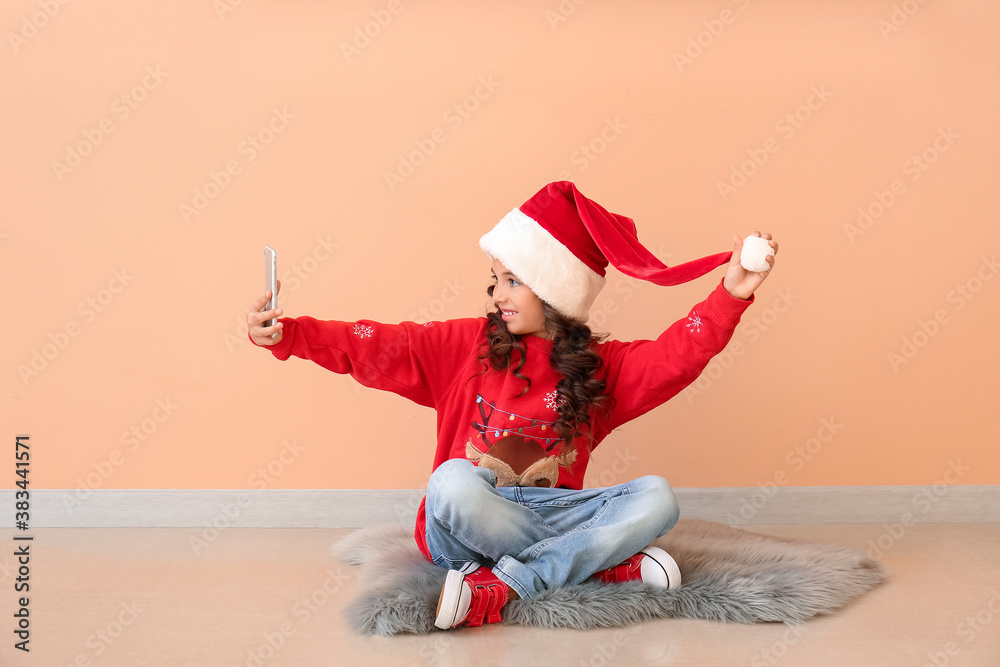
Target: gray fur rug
[{"x": 728, "y": 574}]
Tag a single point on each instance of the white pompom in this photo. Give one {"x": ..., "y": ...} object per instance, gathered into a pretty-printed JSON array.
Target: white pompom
[{"x": 755, "y": 252}]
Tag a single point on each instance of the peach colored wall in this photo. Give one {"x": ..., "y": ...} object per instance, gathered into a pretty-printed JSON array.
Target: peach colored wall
[{"x": 116, "y": 114}]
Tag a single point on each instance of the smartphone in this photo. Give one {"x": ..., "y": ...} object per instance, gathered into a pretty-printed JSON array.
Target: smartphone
[{"x": 271, "y": 281}]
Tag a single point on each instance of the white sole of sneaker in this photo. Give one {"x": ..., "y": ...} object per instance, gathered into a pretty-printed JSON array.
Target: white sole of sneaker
[
  {"x": 659, "y": 569},
  {"x": 455, "y": 598}
]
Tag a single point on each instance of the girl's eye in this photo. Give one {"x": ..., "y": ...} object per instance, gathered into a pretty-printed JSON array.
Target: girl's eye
[{"x": 513, "y": 283}]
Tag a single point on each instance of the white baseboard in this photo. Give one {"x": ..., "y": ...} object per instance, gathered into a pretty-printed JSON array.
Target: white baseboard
[{"x": 349, "y": 508}]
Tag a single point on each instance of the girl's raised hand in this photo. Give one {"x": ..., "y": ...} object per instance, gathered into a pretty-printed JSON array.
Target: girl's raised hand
[
  {"x": 739, "y": 282},
  {"x": 256, "y": 317}
]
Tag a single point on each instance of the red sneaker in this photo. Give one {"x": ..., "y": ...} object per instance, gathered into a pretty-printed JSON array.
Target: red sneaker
[
  {"x": 471, "y": 596},
  {"x": 652, "y": 565}
]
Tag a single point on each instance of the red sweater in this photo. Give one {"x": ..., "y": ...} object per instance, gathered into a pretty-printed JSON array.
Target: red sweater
[{"x": 435, "y": 364}]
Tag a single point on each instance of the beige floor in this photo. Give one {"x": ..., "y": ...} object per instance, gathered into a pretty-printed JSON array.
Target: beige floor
[{"x": 270, "y": 597}]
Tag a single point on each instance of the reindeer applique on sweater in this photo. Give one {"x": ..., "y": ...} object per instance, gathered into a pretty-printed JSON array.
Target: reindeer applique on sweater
[{"x": 515, "y": 459}]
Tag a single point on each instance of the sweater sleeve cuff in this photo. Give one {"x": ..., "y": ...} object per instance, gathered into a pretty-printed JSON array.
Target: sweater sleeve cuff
[{"x": 725, "y": 307}]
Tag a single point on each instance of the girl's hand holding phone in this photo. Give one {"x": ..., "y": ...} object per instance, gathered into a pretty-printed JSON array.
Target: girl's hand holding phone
[{"x": 256, "y": 317}]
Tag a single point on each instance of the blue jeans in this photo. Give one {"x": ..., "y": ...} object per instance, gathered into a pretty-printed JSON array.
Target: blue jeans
[{"x": 540, "y": 538}]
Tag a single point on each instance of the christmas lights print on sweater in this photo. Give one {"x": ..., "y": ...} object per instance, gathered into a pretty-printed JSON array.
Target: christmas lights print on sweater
[{"x": 517, "y": 448}]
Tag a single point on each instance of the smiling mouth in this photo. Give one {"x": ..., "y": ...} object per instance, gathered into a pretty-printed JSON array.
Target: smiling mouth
[{"x": 508, "y": 313}]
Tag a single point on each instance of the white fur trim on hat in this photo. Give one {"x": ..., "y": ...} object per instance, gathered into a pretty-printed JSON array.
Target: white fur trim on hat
[{"x": 545, "y": 265}]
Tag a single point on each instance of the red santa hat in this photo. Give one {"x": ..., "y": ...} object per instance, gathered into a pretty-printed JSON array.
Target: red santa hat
[{"x": 559, "y": 243}]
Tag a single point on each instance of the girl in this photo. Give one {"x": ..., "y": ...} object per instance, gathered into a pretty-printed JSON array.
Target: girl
[{"x": 523, "y": 396}]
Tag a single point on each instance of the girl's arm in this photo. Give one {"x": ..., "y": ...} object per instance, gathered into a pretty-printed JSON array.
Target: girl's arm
[
  {"x": 644, "y": 374},
  {"x": 416, "y": 361}
]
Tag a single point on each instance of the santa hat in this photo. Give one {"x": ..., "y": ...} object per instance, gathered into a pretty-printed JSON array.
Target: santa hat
[{"x": 559, "y": 243}]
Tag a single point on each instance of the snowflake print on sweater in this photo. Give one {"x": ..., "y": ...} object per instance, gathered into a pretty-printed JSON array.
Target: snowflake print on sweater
[
  {"x": 694, "y": 322},
  {"x": 553, "y": 400},
  {"x": 363, "y": 330}
]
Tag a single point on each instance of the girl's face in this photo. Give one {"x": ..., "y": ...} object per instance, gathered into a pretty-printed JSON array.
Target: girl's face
[{"x": 520, "y": 307}]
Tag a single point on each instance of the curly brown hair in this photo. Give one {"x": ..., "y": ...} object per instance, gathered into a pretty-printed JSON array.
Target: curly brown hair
[{"x": 573, "y": 356}]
